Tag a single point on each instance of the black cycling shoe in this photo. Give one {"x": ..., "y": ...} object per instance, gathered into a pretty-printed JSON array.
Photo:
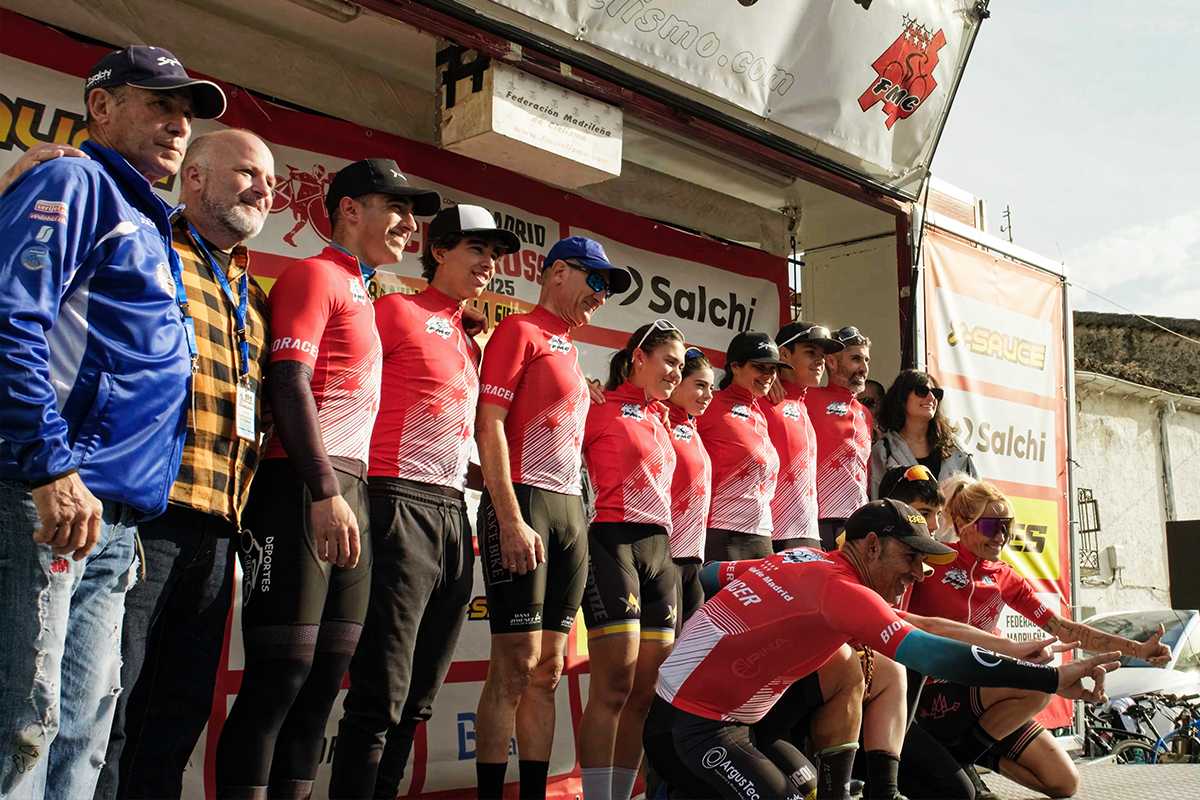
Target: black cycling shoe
[{"x": 982, "y": 792}]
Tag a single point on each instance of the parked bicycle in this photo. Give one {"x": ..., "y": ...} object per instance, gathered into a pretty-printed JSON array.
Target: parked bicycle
[{"x": 1149, "y": 744}]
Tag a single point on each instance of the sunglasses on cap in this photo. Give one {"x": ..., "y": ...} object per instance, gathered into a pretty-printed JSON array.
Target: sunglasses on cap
[
  {"x": 991, "y": 527},
  {"x": 918, "y": 472},
  {"x": 817, "y": 331},
  {"x": 849, "y": 336},
  {"x": 657, "y": 325},
  {"x": 692, "y": 353},
  {"x": 596, "y": 280},
  {"x": 924, "y": 391}
]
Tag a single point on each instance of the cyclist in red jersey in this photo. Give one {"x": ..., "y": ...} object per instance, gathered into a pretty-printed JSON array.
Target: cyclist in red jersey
[
  {"x": 993, "y": 726},
  {"x": 532, "y": 526},
  {"x": 420, "y": 536},
  {"x": 306, "y": 543},
  {"x": 745, "y": 465},
  {"x": 804, "y": 346},
  {"x": 691, "y": 483},
  {"x": 843, "y": 428},
  {"x": 778, "y": 619},
  {"x": 630, "y": 603}
]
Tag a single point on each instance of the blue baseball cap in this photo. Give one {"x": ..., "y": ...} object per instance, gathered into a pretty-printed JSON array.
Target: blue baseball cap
[
  {"x": 589, "y": 253},
  {"x": 158, "y": 70}
]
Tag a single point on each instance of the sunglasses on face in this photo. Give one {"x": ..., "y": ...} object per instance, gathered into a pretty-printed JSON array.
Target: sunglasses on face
[
  {"x": 924, "y": 391},
  {"x": 991, "y": 527},
  {"x": 657, "y": 325},
  {"x": 596, "y": 280}
]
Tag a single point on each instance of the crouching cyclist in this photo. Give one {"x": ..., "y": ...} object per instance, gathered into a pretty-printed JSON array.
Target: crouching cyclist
[{"x": 774, "y": 622}]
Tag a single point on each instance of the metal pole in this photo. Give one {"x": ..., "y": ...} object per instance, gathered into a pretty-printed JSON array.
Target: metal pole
[
  {"x": 1072, "y": 517},
  {"x": 1164, "y": 451}
]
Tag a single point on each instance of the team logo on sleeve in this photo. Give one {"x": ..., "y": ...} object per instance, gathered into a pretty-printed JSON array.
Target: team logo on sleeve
[
  {"x": 791, "y": 411},
  {"x": 632, "y": 411},
  {"x": 801, "y": 555},
  {"x": 956, "y": 578},
  {"x": 740, "y": 411},
  {"x": 358, "y": 292},
  {"x": 35, "y": 257},
  {"x": 439, "y": 326},
  {"x": 559, "y": 345},
  {"x": 683, "y": 433},
  {"x": 166, "y": 281},
  {"x": 838, "y": 408}
]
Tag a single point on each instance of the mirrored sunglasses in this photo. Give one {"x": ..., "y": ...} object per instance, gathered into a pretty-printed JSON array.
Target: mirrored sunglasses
[
  {"x": 693, "y": 353},
  {"x": 597, "y": 281},
  {"x": 918, "y": 472},
  {"x": 991, "y": 527},
  {"x": 849, "y": 336}
]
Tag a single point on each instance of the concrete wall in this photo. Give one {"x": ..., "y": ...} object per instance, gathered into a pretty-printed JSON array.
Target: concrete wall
[{"x": 1117, "y": 450}]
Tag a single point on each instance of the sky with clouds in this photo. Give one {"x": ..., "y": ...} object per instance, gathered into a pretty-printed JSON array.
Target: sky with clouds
[{"x": 1084, "y": 118}]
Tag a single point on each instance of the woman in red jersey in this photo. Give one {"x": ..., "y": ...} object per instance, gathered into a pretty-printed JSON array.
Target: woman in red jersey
[
  {"x": 630, "y": 601},
  {"x": 744, "y": 462},
  {"x": 995, "y": 726},
  {"x": 691, "y": 485}
]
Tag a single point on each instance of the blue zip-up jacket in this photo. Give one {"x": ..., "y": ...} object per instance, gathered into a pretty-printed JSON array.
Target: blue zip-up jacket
[{"x": 94, "y": 365}]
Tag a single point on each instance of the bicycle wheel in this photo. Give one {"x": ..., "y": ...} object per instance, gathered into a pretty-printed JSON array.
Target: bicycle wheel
[{"x": 1132, "y": 751}]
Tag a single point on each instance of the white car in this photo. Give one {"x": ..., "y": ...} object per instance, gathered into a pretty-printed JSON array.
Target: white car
[{"x": 1181, "y": 675}]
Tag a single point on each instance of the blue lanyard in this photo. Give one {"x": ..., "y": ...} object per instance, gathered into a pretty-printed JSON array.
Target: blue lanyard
[
  {"x": 181, "y": 299},
  {"x": 364, "y": 271},
  {"x": 240, "y": 304}
]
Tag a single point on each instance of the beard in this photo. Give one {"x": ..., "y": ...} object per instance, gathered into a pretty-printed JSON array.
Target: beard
[{"x": 242, "y": 220}]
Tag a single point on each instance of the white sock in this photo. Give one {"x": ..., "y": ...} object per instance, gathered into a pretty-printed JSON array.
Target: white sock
[
  {"x": 597, "y": 783},
  {"x": 623, "y": 779}
]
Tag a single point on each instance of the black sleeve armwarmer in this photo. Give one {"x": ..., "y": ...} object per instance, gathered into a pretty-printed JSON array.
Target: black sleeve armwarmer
[
  {"x": 973, "y": 666},
  {"x": 294, "y": 413}
]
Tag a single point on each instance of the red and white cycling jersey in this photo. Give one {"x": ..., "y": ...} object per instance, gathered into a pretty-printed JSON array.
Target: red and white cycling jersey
[
  {"x": 426, "y": 423},
  {"x": 629, "y": 458},
  {"x": 968, "y": 589},
  {"x": 691, "y": 487},
  {"x": 775, "y": 621},
  {"x": 794, "y": 506},
  {"x": 531, "y": 368},
  {"x": 744, "y": 463},
  {"x": 843, "y": 428},
  {"x": 321, "y": 315}
]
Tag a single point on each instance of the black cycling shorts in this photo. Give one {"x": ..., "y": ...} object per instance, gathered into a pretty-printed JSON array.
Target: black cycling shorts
[
  {"x": 547, "y": 598},
  {"x": 631, "y": 585},
  {"x": 723, "y": 545},
  {"x": 949, "y": 710},
  {"x": 703, "y": 758},
  {"x": 779, "y": 545},
  {"x": 283, "y": 581},
  {"x": 691, "y": 592}
]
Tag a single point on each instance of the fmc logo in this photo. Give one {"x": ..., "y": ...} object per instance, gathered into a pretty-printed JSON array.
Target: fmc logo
[{"x": 905, "y": 72}]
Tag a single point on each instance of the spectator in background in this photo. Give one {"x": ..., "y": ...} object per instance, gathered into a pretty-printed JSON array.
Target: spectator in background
[
  {"x": 843, "y": 428},
  {"x": 872, "y": 399},
  {"x": 915, "y": 431}
]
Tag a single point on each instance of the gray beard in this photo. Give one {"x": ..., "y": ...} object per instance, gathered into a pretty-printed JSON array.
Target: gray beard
[{"x": 241, "y": 223}]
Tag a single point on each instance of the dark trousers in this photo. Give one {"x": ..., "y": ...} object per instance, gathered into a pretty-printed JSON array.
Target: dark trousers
[
  {"x": 170, "y": 649},
  {"x": 420, "y": 586}
]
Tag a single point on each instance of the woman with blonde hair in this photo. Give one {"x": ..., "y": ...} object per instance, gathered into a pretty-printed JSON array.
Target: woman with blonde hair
[{"x": 991, "y": 726}]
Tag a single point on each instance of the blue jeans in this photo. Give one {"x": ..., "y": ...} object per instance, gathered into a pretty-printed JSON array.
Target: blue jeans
[
  {"x": 170, "y": 651},
  {"x": 59, "y": 651}
]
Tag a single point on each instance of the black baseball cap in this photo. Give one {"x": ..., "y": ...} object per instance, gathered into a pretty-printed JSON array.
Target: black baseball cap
[
  {"x": 380, "y": 176},
  {"x": 753, "y": 346},
  {"x": 795, "y": 333},
  {"x": 471, "y": 220},
  {"x": 896, "y": 519},
  {"x": 154, "y": 68}
]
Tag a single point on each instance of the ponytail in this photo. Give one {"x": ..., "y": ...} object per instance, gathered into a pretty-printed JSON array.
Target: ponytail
[
  {"x": 726, "y": 376},
  {"x": 619, "y": 368}
]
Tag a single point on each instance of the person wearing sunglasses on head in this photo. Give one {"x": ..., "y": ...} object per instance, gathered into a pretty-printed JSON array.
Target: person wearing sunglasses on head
[
  {"x": 532, "y": 530},
  {"x": 630, "y": 602},
  {"x": 843, "y": 427},
  {"x": 914, "y": 430},
  {"x": 745, "y": 465},
  {"x": 803, "y": 345},
  {"x": 993, "y": 726}
]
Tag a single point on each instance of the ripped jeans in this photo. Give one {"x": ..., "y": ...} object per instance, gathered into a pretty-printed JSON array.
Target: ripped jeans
[{"x": 60, "y": 640}]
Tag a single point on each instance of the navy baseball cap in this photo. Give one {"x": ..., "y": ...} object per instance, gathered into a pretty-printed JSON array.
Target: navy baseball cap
[
  {"x": 380, "y": 176},
  {"x": 589, "y": 253},
  {"x": 158, "y": 70}
]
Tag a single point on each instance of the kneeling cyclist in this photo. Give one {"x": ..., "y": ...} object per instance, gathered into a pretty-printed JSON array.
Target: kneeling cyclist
[{"x": 778, "y": 619}]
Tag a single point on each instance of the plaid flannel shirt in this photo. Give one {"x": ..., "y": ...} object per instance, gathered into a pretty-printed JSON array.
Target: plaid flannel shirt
[{"x": 218, "y": 465}]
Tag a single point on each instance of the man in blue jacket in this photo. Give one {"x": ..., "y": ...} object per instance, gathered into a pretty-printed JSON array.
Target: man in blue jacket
[{"x": 95, "y": 339}]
